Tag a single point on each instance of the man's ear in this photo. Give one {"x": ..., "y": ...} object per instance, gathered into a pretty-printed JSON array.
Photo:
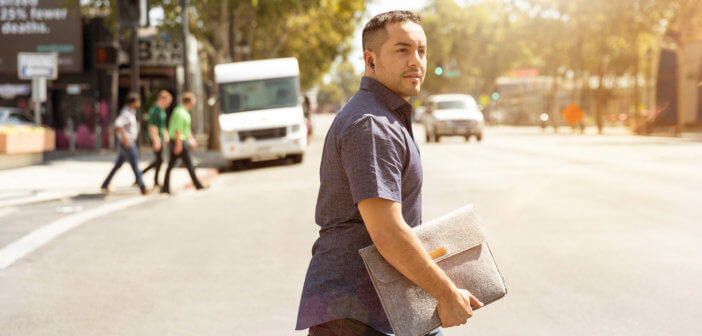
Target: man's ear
[{"x": 369, "y": 60}]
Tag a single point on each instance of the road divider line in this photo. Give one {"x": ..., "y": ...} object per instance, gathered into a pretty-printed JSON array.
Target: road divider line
[{"x": 41, "y": 236}]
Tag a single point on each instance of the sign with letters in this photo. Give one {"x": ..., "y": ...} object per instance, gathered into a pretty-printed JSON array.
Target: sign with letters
[
  {"x": 158, "y": 51},
  {"x": 41, "y": 26},
  {"x": 37, "y": 65}
]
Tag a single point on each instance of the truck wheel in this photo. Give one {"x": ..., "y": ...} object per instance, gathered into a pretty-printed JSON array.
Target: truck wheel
[
  {"x": 238, "y": 165},
  {"x": 479, "y": 137}
]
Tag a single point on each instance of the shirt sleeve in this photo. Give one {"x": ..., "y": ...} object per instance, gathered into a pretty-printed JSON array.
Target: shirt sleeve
[
  {"x": 371, "y": 153},
  {"x": 153, "y": 116},
  {"x": 121, "y": 120}
]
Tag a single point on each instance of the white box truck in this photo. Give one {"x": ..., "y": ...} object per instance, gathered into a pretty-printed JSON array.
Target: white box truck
[{"x": 261, "y": 115}]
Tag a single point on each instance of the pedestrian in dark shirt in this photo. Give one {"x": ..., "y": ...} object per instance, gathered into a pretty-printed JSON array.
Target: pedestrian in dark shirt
[
  {"x": 157, "y": 133},
  {"x": 127, "y": 132},
  {"x": 182, "y": 140},
  {"x": 370, "y": 193}
]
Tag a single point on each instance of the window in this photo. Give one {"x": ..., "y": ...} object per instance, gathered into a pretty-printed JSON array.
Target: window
[{"x": 260, "y": 94}]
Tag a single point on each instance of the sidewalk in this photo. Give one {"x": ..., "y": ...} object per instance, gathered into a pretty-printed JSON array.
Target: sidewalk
[{"x": 82, "y": 175}]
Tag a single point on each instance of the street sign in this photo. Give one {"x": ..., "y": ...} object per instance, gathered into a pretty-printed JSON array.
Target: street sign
[
  {"x": 572, "y": 114},
  {"x": 160, "y": 52},
  {"x": 453, "y": 73},
  {"x": 37, "y": 65},
  {"x": 484, "y": 99}
]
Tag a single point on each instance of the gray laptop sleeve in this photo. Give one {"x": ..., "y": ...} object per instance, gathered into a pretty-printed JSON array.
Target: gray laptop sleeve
[{"x": 457, "y": 242}]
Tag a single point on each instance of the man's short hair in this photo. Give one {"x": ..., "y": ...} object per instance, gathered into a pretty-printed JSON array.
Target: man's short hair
[
  {"x": 188, "y": 97},
  {"x": 375, "y": 33},
  {"x": 132, "y": 98},
  {"x": 165, "y": 95}
]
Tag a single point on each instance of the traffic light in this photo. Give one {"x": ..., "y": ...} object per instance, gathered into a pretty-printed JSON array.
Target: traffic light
[
  {"x": 439, "y": 70},
  {"x": 106, "y": 55},
  {"x": 133, "y": 12}
]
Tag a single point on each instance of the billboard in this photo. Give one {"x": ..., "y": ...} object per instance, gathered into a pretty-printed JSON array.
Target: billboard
[{"x": 40, "y": 26}]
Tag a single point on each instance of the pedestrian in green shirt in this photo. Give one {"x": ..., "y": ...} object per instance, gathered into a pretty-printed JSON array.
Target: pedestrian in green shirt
[
  {"x": 183, "y": 141},
  {"x": 157, "y": 133}
]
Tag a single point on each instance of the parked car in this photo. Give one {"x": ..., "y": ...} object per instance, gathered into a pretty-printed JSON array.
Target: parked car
[
  {"x": 15, "y": 116},
  {"x": 452, "y": 114},
  {"x": 261, "y": 116}
]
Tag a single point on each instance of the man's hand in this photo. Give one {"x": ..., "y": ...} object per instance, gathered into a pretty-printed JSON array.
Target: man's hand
[
  {"x": 401, "y": 248},
  {"x": 123, "y": 138},
  {"x": 455, "y": 308},
  {"x": 157, "y": 144},
  {"x": 193, "y": 142}
]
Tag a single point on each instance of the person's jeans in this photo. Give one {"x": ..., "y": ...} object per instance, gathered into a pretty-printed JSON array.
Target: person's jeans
[
  {"x": 185, "y": 155},
  {"x": 130, "y": 155},
  {"x": 350, "y": 327},
  {"x": 156, "y": 165}
]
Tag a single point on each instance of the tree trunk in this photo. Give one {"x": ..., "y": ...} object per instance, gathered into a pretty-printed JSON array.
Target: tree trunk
[{"x": 220, "y": 42}]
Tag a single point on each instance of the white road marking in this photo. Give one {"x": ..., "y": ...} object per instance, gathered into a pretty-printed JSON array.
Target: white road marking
[{"x": 39, "y": 237}]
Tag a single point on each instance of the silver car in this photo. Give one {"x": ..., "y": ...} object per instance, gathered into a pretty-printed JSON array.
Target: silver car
[{"x": 452, "y": 114}]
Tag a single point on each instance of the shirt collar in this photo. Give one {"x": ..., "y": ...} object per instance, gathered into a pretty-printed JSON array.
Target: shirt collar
[{"x": 391, "y": 99}]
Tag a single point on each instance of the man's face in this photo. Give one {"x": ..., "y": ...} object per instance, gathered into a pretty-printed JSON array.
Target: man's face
[
  {"x": 163, "y": 102},
  {"x": 190, "y": 104},
  {"x": 401, "y": 62}
]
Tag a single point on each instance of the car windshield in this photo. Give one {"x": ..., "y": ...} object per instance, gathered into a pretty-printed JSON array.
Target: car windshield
[
  {"x": 261, "y": 94},
  {"x": 14, "y": 115},
  {"x": 456, "y": 104}
]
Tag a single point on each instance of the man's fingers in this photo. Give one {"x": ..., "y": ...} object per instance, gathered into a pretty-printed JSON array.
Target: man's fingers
[{"x": 474, "y": 302}]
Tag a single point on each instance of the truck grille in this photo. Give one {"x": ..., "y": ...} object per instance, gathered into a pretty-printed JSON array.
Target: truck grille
[{"x": 262, "y": 134}]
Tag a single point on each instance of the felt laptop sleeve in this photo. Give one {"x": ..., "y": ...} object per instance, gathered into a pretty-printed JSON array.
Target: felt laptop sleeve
[{"x": 457, "y": 243}]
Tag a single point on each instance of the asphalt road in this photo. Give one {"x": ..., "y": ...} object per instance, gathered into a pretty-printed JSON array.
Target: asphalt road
[{"x": 595, "y": 235}]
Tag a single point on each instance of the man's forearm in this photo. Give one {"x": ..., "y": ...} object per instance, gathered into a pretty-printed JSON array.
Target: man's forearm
[
  {"x": 153, "y": 132},
  {"x": 401, "y": 248},
  {"x": 123, "y": 136}
]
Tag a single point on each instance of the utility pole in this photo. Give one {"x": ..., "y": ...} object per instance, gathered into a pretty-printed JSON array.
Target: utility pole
[
  {"x": 184, "y": 17},
  {"x": 134, "y": 61}
]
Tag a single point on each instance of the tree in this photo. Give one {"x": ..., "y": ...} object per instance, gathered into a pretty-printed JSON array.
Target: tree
[
  {"x": 474, "y": 44},
  {"x": 343, "y": 83},
  {"x": 315, "y": 31}
]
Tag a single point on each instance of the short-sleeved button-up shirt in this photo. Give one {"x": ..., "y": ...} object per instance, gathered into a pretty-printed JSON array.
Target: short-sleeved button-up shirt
[
  {"x": 157, "y": 117},
  {"x": 127, "y": 120},
  {"x": 369, "y": 152},
  {"x": 180, "y": 121}
]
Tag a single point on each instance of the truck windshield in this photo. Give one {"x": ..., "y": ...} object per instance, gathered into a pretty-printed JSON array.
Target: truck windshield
[{"x": 260, "y": 94}]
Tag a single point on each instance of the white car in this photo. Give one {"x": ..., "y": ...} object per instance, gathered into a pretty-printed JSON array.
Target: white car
[{"x": 452, "y": 114}]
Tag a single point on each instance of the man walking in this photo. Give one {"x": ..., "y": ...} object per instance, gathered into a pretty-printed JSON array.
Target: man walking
[
  {"x": 370, "y": 192},
  {"x": 127, "y": 132},
  {"x": 182, "y": 140},
  {"x": 157, "y": 132}
]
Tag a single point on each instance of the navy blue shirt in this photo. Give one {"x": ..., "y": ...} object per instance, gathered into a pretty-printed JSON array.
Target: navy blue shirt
[{"x": 369, "y": 152}]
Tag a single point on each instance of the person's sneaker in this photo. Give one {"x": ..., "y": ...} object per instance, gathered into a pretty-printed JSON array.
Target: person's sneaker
[
  {"x": 106, "y": 190},
  {"x": 145, "y": 192},
  {"x": 165, "y": 191}
]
